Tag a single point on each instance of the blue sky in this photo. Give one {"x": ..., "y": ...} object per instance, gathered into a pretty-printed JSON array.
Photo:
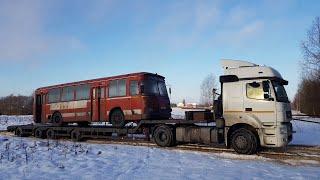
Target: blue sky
[{"x": 47, "y": 42}]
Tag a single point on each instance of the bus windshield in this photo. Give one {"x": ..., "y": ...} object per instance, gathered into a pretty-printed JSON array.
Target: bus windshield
[
  {"x": 155, "y": 87},
  {"x": 280, "y": 91}
]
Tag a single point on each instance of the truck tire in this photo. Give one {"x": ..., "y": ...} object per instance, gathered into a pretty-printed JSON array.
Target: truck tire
[
  {"x": 18, "y": 132},
  {"x": 57, "y": 119},
  {"x": 243, "y": 141},
  {"x": 75, "y": 135},
  {"x": 163, "y": 136},
  {"x": 51, "y": 134},
  {"x": 39, "y": 133},
  {"x": 117, "y": 118}
]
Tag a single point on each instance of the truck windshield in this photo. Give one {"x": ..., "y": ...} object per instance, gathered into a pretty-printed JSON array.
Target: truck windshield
[
  {"x": 155, "y": 87},
  {"x": 280, "y": 92}
]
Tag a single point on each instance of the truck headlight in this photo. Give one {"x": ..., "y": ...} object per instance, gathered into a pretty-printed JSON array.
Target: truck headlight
[{"x": 283, "y": 130}]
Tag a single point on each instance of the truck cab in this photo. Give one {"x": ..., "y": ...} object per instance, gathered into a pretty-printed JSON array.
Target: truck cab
[{"x": 254, "y": 99}]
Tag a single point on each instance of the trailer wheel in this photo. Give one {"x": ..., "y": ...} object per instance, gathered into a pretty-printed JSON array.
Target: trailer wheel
[
  {"x": 51, "y": 134},
  {"x": 18, "y": 132},
  {"x": 117, "y": 118},
  {"x": 39, "y": 133},
  {"x": 57, "y": 118},
  {"x": 163, "y": 136},
  {"x": 75, "y": 135},
  {"x": 243, "y": 141}
]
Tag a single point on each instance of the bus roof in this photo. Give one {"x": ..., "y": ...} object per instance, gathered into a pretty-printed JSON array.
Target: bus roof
[{"x": 100, "y": 79}]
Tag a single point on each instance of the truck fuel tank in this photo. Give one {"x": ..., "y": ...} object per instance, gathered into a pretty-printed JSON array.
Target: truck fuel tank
[{"x": 198, "y": 134}]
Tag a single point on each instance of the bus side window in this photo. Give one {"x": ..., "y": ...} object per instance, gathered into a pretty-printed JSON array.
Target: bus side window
[
  {"x": 117, "y": 88},
  {"x": 83, "y": 92},
  {"x": 134, "y": 88},
  {"x": 67, "y": 94},
  {"x": 54, "y": 95}
]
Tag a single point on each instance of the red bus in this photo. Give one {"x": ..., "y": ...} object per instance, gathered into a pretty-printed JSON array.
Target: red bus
[{"x": 118, "y": 99}]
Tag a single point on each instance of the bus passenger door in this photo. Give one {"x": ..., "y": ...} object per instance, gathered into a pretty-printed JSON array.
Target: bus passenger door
[
  {"x": 102, "y": 107},
  {"x": 38, "y": 108},
  {"x": 95, "y": 104}
]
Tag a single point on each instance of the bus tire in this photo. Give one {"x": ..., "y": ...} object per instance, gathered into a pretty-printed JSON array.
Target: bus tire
[
  {"x": 39, "y": 133},
  {"x": 163, "y": 136},
  {"x": 117, "y": 118},
  {"x": 243, "y": 141},
  {"x": 75, "y": 135},
  {"x": 51, "y": 134},
  {"x": 57, "y": 118}
]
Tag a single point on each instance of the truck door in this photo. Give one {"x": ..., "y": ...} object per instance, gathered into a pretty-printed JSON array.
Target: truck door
[{"x": 258, "y": 100}]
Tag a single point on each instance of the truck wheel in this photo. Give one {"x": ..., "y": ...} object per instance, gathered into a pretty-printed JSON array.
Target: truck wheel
[
  {"x": 18, "y": 132},
  {"x": 117, "y": 118},
  {"x": 51, "y": 134},
  {"x": 39, "y": 133},
  {"x": 243, "y": 141},
  {"x": 163, "y": 136},
  {"x": 57, "y": 118},
  {"x": 75, "y": 135}
]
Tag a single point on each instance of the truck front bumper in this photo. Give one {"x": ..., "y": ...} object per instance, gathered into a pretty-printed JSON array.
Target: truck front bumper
[{"x": 281, "y": 136}]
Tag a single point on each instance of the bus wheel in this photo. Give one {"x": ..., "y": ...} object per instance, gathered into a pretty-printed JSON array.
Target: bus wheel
[
  {"x": 117, "y": 118},
  {"x": 75, "y": 135},
  {"x": 243, "y": 141},
  {"x": 57, "y": 118},
  {"x": 18, "y": 132},
  {"x": 163, "y": 136},
  {"x": 39, "y": 133},
  {"x": 51, "y": 134}
]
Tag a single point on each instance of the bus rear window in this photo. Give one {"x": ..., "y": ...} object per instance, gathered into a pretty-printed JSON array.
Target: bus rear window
[{"x": 54, "y": 95}]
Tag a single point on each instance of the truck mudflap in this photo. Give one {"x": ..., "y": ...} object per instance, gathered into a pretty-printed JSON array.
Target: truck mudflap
[{"x": 202, "y": 135}]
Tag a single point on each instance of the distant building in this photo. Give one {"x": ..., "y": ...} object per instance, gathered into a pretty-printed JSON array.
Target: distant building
[
  {"x": 191, "y": 105},
  {"x": 180, "y": 105}
]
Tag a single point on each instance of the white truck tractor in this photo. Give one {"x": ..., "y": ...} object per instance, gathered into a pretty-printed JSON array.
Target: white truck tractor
[{"x": 254, "y": 106}]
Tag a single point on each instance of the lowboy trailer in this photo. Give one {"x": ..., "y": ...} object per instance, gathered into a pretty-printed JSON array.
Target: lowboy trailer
[
  {"x": 164, "y": 133},
  {"x": 251, "y": 111}
]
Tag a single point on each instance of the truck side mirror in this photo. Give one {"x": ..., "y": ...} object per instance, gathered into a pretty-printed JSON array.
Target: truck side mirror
[
  {"x": 170, "y": 90},
  {"x": 265, "y": 85}
]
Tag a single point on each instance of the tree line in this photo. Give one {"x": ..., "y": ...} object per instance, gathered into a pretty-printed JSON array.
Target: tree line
[
  {"x": 307, "y": 98},
  {"x": 16, "y": 105}
]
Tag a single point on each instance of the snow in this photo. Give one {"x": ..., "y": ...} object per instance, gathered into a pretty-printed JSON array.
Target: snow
[
  {"x": 29, "y": 158},
  {"x": 6, "y": 121},
  {"x": 307, "y": 133},
  {"x": 26, "y": 158}
]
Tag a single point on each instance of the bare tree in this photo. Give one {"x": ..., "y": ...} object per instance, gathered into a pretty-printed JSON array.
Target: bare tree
[
  {"x": 311, "y": 48},
  {"x": 308, "y": 97},
  {"x": 207, "y": 85}
]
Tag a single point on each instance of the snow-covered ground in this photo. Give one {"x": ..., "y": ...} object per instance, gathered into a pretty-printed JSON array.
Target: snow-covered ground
[
  {"x": 27, "y": 158},
  {"x": 6, "y": 121}
]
